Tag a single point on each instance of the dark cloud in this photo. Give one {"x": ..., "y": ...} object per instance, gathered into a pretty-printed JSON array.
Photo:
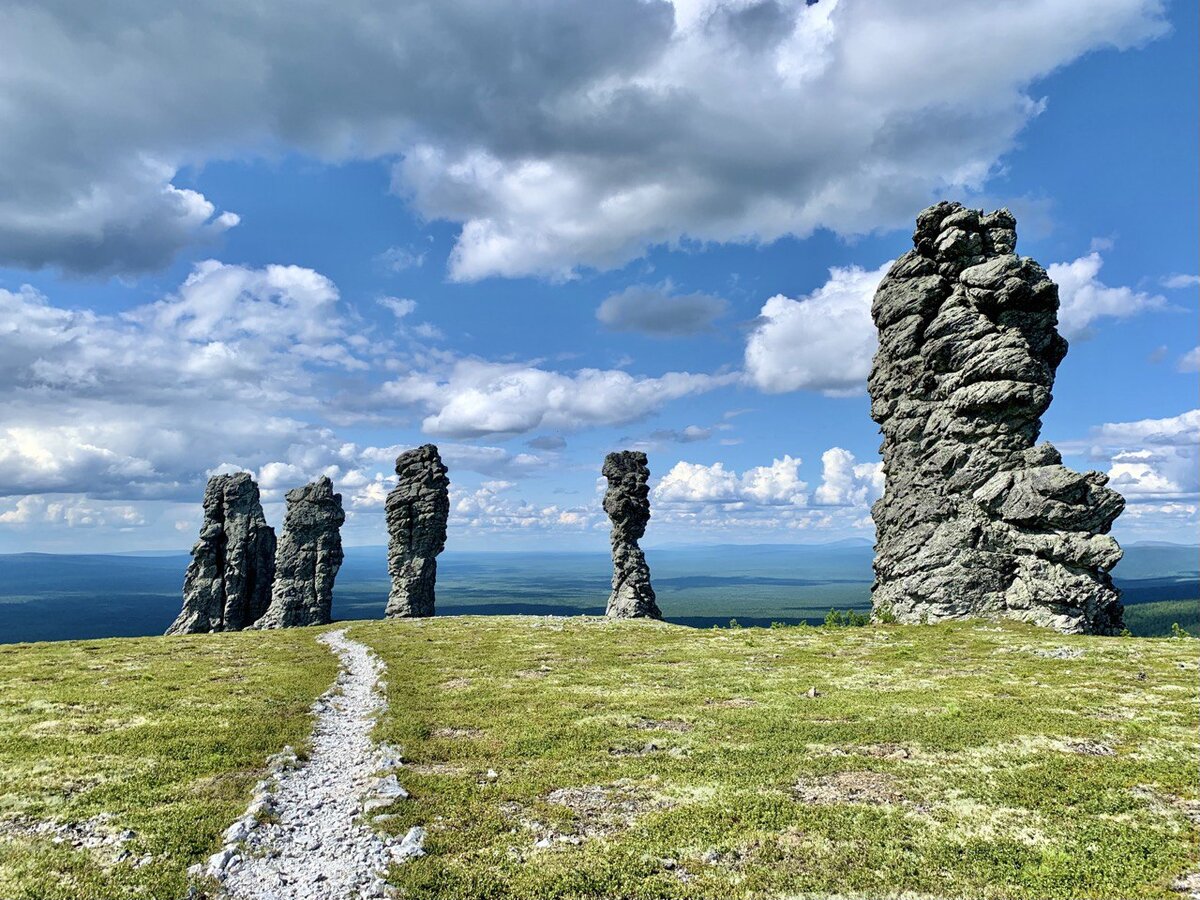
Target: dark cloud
[
  {"x": 656, "y": 310},
  {"x": 547, "y": 442},
  {"x": 690, "y": 435}
]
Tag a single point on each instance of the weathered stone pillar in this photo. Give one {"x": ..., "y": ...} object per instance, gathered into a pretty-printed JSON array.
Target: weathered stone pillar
[
  {"x": 976, "y": 520},
  {"x": 228, "y": 583},
  {"x": 308, "y": 557},
  {"x": 417, "y": 510},
  {"x": 627, "y": 502}
]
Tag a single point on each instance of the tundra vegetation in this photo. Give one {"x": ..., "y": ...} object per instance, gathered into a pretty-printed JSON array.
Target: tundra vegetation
[
  {"x": 145, "y": 748},
  {"x": 583, "y": 757}
]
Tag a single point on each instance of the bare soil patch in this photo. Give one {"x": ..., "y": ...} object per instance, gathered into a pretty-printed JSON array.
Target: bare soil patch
[{"x": 606, "y": 809}]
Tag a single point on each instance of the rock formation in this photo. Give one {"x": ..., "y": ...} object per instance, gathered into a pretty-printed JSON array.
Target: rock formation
[
  {"x": 627, "y": 502},
  {"x": 976, "y": 520},
  {"x": 228, "y": 583},
  {"x": 308, "y": 557},
  {"x": 417, "y": 510}
]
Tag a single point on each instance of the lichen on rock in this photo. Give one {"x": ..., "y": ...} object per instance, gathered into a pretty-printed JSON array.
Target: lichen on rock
[
  {"x": 228, "y": 582},
  {"x": 417, "y": 510},
  {"x": 308, "y": 557},
  {"x": 975, "y": 519},
  {"x": 627, "y": 502}
]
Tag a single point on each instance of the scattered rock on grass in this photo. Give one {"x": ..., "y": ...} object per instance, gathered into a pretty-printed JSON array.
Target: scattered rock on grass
[
  {"x": 875, "y": 751},
  {"x": 1089, "y": 748},
  {"x": 676, "y": 725},
  {"x": 97, "y": 834},
  {"x": 455, "y": 733},
  {"x": 606, "y": 809},
  {"x": 732, "y": 703},
  {"x": 412, "y": 846},
  {"x": 873, "y": 788},
  {"x": 1059, "y": 653}
]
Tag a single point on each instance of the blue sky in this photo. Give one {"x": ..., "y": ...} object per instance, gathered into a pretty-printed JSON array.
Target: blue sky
[{"x": 532, "y": 239}]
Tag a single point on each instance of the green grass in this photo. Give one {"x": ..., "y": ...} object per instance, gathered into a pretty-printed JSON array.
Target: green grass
[
  {"x": 963, "y": 761},
  {"x": 1155, "y": 619},
  {"x": 165, "y": 734},
  {"x": 949, "y": 761}
]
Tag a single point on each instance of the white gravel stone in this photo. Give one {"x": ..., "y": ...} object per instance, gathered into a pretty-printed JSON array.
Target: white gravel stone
[
  {"x": 390, "y": 787},
  {"x": 319, "y": 847},
  {"x": 220, "y": 860},
  {"x": 412, "y": 846},
  {"x": 237, "y": 832}
]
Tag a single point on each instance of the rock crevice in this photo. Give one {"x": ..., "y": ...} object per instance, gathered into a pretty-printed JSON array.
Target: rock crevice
[
  {"x": 417, "y": 510},
  {"x": 308, "y": 557},
  {"x": 627, "y": 502},
  {"x": 228, "y": 582},
  {"x": 976, "y": 518}
]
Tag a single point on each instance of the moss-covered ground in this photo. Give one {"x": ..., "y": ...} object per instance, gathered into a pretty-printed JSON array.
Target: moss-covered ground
[
  {"x": 639, "y": 760},
  {"x": 578, "y": 758},
  {"x": 165, "y": 735}
]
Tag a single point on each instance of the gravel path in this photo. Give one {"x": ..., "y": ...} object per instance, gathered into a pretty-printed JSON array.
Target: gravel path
[{"x": 315, "y": 845}]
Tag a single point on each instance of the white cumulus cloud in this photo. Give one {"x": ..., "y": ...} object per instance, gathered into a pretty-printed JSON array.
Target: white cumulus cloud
[
  {"x": 823, "y": 341},
  {"x": 69, "y": 511},
  {"x": 776, "y": 484},
  {"x": 1153, "y": 459},
  {"x": 845, "y": 482},
  {"x": 555, "y": 135},
  {"x": 144, "y": 403},
  {"x": 478, "y": 397},
  {"x": 1083, "y": 298},
  {"x": 1179, "y": 282}
]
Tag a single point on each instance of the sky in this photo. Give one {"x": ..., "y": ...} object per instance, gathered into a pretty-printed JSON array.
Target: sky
[{"x": 237, "y": 238}]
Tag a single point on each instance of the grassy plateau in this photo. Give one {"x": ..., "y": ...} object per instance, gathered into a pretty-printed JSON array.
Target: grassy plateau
[{"x": 580, "y": 758}]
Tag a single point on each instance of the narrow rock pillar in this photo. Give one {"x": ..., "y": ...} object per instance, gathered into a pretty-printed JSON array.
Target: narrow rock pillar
[
  {"x": 627, "y": 502},
  {"x": 417, "y": 510}
]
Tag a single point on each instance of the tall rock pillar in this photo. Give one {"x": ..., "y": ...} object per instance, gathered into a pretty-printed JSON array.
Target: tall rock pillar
[
  {"x": 228, "y": 583},
  {"x": 308, "y": 557},
  {"x": 976, "y": 519},
  {"x": 417, "y": 510},
  {"x": 627, "y": 502}
]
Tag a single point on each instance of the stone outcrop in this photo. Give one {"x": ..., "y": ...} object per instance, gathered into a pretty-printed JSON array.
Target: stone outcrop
[
  {"x": 308, "y": 557},
  {"x": 975, "y": 519},
  {"x": 417, "y": 510},
  {"x": 228, "y": 583},
  {"x": 627, "y": 502}
]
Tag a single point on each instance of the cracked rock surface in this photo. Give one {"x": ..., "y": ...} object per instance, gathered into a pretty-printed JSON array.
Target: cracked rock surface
[
  {"x": 977, "y": 519},
  {"x": 303, "y": 838},
  {"x": 228, "y": 582},
  {"x": 308, "y": 557},
  {"x": 627, "y": 502},
  {"x": 417, "y": 510}
]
